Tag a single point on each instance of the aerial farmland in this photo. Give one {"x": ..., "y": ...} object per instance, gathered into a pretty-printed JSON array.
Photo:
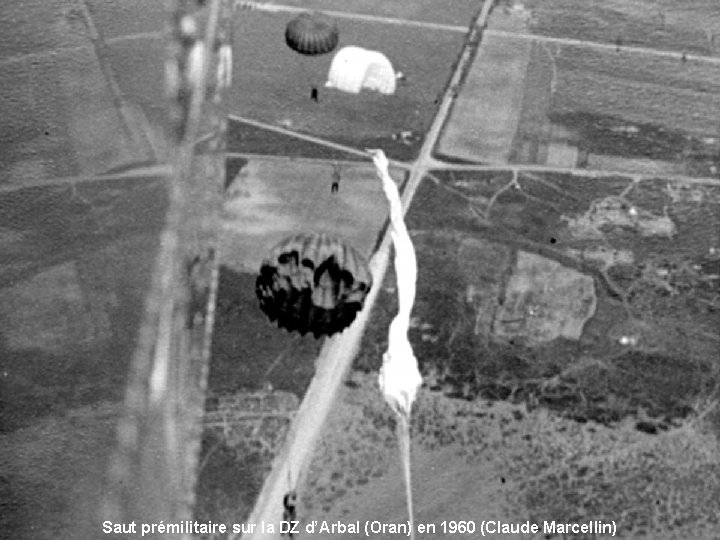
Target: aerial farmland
[{"x": 558, "y": 165}]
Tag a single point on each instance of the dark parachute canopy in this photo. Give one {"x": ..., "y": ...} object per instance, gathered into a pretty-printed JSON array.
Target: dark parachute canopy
[
  {"x": 313, "y": 283},
  {"x": 312, "y": 34}
]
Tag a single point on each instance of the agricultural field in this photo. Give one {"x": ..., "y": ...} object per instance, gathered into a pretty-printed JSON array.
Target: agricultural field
[
  {"x": 76, "y": 261},
  {"x": 567, "y": 309},
  {"x": 566, "y": 329},
  {"x": 61, "y": 120},
  {"x": 276, "y": 83},
  {"x": 71, "y": 109},
  {"x": 591, "y": 107},
  {"x": 458, "y": 13},
  {"x": 658, "y": 24},
  {"x": 525, "y": 283},
  {"x": 269, "y": 199},
  {"x": 479, "y": 460}
]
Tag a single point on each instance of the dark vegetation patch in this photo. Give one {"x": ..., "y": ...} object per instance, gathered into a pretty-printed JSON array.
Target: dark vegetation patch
[
  {"x": 62, "y": 223},
  {"x": 104, "y": 236},
  {"x": 229, "y": 480},
  {"x": 597, "y": 21},
  {"x": 232, "y": 167},
  {"x": 41, "y": 384},
  {"x": 605, "y": 134},
  {"x": 246, "y": 138},
  {"x": 592, "y": 379}
]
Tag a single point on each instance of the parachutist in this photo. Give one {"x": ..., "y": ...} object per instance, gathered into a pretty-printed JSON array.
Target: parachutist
[
  {"x": 335, "y": 179},
  {"x": 312, "y": 35},
  {"x": 290, "y": 502},
  {"x": 290, "y": 509}
]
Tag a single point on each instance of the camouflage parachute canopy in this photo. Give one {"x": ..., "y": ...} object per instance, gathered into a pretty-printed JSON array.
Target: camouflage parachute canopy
[
  {"x": 312, "y": 34},
  {"x": 313, "y": 283}
]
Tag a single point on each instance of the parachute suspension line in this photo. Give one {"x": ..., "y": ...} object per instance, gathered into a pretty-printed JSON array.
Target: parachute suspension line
[
  {"x": 399, "y": 376},
  {"x": 403, "y": 431}
]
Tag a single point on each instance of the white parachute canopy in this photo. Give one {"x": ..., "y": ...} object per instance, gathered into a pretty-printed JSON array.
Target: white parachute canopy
[{"x": 355, "y": 68}]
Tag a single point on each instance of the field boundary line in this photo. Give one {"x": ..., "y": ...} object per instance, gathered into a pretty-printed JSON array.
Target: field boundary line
[
  {"x": 585, "y": 173},
  {"x": 152, "y": 172},
  {"x": 309, "y": 138},
  {"x": 281, "y": 8},
  {"x": 305, "y": 159},
  {"x": 297, "y": 135},
  {"x": 677, "y": 55},
  {"x": 257, "y": 6},
  {"x": 59, "y": 51}
]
